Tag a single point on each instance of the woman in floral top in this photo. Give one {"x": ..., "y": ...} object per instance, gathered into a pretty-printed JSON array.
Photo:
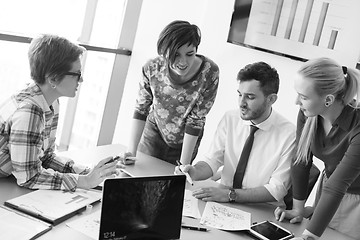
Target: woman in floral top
[{"x": 176, "y": 93}]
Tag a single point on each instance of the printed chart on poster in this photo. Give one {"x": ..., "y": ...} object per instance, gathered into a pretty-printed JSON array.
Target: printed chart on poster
[{"x": 301, "y": 29}]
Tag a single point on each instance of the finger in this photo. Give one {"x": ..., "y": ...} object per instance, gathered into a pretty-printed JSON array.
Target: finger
[
  {"x": 129, "y": 160},
  {"x": 197, "y": 197},
  {"x": 126, "y": 155},
  {"x": 278, "y": 211},
  {"x": 295, "y": 219},
  {"x": 104, "y": 161},
  {"x": 186, "y": 167},
  {"x": 106, "y": 170},
  {"x": 196, "y": 194},
  {"x": 182, "y": 167},
  {"x": 114, "y": 175},
  {"x": 282, "y": 216},
  {"x": 178, "y": 171},
  {"x": 120, "y": 165},
  {"x": 198, "y": 191},
  {"x": 206, "y": 199},
  {"x": 200, "y": 195},
  {"x": 111, "y": 165}
]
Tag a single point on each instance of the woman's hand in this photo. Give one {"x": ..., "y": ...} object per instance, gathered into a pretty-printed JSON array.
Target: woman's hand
[
  {"x": 106, "y": 168},
  {"x": 126, "y": 158},
  {"x": 294, "y": 215}
]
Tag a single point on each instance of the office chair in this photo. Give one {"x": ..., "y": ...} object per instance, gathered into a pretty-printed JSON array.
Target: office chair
[{"x": 313, "y": 176}]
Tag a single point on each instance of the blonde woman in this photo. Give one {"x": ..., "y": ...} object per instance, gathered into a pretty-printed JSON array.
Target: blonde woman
[{"x": 328, "y": 128}]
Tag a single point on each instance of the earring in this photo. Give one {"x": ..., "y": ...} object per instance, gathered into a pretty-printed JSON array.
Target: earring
[
  {"x": 327, "y": 104},
  {"x": 53, "y": 86}
]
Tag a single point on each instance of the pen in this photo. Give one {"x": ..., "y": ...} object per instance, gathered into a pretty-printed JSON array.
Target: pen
[
  {"x": 188, "y": 178},
  {"x": 112, "y": 159},
  {"x": 194, "y": 228}
]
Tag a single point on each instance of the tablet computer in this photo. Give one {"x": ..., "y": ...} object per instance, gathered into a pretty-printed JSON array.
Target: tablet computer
[{"x": 267, "y": 230}]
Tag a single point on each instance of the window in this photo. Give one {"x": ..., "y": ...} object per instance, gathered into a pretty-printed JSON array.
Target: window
[{"x": 97, "y": 25}]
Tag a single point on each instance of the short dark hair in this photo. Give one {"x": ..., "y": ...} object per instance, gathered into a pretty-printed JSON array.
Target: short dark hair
[
  {"x": 52, "y": 56},
  {"x": 262, "y": 72},
  {"x": 175, "y": 35}
]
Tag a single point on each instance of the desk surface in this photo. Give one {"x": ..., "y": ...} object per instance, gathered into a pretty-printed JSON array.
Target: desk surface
[{"x": 147, "y": 165}]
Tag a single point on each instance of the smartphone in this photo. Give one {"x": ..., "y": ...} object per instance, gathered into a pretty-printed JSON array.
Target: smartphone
[{"x": 267, "y": 230}]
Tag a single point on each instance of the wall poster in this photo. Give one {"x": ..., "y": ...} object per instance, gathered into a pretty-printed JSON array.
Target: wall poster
[{"x": 299, "y": 29}]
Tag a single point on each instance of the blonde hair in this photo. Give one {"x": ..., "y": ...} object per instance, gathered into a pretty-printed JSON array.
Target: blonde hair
[{"x": 329, "y": 78}]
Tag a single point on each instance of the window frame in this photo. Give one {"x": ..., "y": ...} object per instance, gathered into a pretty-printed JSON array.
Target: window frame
[{"x": 118, "y": 75}]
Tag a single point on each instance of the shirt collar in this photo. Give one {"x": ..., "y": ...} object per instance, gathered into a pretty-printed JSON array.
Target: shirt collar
[
  {"x": 37, "y": 97},
  {"x": 265, "y": 125}
]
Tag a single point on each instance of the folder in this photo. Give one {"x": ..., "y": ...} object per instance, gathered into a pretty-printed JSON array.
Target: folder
[
  {"x": 15, "y": 225},
  {"x": 54, "y": 206}
]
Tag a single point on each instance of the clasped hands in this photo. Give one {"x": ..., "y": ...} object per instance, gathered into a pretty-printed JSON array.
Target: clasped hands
[
  {"x": 294, "y": 216},
  {"x": 216, "y": 194}
]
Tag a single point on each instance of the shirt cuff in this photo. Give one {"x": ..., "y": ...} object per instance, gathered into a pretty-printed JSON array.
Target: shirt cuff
[
  {"x": 278, "y": 192},
  {"x": 69, "y": 182}
]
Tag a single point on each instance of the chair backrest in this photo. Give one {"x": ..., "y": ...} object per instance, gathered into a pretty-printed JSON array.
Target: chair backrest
[{"x": 313, "y": 176}]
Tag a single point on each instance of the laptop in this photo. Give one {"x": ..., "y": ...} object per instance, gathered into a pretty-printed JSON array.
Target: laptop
[{"x": 142, "y": 207}]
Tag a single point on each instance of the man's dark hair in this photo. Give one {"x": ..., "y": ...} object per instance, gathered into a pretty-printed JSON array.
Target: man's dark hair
[{"x": 262, "y": 72}]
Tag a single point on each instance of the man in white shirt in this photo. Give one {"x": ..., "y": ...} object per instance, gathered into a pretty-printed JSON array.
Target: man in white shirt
[{"x": 267, "y": 173}]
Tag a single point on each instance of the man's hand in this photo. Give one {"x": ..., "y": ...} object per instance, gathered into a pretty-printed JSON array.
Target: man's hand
[{"x": 212, "y": 194}]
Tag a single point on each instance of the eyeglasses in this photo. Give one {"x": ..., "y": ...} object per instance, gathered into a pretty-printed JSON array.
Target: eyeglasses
[{"x": 79, "y": 76}]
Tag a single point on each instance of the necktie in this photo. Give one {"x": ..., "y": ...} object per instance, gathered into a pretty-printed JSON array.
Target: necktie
[{"x": 244, "y": 157}]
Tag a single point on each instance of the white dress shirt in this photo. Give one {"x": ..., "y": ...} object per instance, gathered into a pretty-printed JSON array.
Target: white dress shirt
[{"x": 270, "y": 158}]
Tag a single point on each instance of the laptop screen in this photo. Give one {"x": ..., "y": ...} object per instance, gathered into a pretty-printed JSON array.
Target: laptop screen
[{"x": 142, "y": 208}]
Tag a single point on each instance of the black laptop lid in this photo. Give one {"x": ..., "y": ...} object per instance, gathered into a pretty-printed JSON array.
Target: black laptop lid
[{"x": 142, "y": 208}]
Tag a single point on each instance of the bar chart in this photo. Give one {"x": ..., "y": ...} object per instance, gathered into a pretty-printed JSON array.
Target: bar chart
[
  {"x": 304, "y": 21},
  {"x": 306, "y": 28}
]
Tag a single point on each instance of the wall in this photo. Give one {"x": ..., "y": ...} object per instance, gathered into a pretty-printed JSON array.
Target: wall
[{"x": 213, "y": 17}]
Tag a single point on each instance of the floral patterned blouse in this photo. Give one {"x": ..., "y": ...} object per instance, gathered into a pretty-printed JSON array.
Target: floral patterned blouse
[{"x": 176, "y": 108}]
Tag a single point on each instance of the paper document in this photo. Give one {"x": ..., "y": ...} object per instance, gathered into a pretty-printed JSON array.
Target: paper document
[
  {"x": 18, "y": 226},
  {"x": 222, "y": 217},
  {"x": 88, "y": 224},
  {"x": 54, "y": 206},
  {"x": 190, "y": 207}
]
